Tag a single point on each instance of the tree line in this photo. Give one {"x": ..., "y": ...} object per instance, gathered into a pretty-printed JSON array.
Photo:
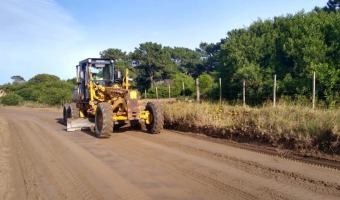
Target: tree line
[{"x": 291, "y": 47}]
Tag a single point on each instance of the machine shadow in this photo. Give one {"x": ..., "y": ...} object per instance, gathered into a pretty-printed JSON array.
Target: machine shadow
[{"x": 118, "y": 129}]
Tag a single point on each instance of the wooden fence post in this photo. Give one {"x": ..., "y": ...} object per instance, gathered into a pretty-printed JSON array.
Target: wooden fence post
[
  {"x": 157, "y": 92},
  {"x": 244, "y": 92},
  {"x": 220, "y": 82},
  {"x": 274, "y": 92},
  {"x": 197, "y": 90},
  {"x": 314, "y": 90},
  {"x": 183, "y": 89}
]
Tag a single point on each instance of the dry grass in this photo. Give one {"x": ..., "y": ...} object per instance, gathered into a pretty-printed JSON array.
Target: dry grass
[{"x": 294, "y": 127}]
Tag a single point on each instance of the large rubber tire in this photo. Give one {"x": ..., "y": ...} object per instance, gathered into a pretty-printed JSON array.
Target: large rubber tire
[
  {"x": 104, "y": 120},
  {"x": 66, "y": 113},
  {"x": 74, "y": 111},
  {"x": 156, "y": 118}
]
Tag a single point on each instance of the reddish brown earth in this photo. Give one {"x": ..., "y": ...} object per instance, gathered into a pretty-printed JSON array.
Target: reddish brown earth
[{"x": 40, "y": 160}]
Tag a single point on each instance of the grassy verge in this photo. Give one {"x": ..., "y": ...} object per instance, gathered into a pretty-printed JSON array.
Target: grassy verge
[{"x": 290, "y": 127}]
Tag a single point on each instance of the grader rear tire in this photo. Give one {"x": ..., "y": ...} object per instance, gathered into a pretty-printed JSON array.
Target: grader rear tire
[
  {"x": 66, "y": 113},
  {"x": 104, "y": 120},
  {"x": 156, "y": 118}
]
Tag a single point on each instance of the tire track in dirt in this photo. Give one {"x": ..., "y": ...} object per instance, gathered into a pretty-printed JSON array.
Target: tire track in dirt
[
  {"x": 134, "y": 165},
  {"x": 47, "y": 166},
  {"x": 64, "y": 180},
  {"x": 199, "y": 175},
  {"x": 151, "y": 171},
  {"x": 277, "y": 187},
  {"x": 22, "y": 181},
  {"x": 193, "y": 172},
  {"x": 255, "y": 168},
  {"x": 6, "y": 190}
]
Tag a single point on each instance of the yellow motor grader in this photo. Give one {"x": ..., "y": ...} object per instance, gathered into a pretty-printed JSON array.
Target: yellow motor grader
[{"x": 102, "y": 99}]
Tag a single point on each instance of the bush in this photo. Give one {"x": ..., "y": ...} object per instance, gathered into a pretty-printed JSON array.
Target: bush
[{"x": 11, "y": 100}]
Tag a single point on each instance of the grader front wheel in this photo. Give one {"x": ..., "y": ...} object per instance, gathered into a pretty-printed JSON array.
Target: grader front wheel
[
  {"x": 104, "y": 120},
  {"x": 155, "y": 119}
]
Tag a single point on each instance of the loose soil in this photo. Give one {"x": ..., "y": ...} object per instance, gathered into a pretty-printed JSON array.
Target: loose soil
[{"x": 40, "y": 160}]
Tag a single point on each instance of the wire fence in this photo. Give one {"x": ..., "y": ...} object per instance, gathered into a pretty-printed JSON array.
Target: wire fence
[{"x": 242, "y": 94}]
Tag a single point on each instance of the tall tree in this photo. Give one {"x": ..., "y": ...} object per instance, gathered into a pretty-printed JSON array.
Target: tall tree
[
  {"x": 210, "y": 54},
  {"x": 332, "y": 6},
  {"x": 150, "y": 59},
  {"x": 189, "y": 62},
  {"x": 291, "y": 47},
  {"x": 114, "y": 54},
  {"x": 119, "y": 57},
  {"x": 17, "y": 79}
]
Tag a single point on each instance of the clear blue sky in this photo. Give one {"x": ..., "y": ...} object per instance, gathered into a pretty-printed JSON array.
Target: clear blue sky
[{"x": 52, "y": 36}]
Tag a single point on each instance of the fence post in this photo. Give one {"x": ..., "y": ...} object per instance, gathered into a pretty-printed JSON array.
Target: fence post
[
  {"x": 314, "y": 90},
  {"x": 244, "y": 92},
  {"x": 145, "y": 94},
  {"x": 157, "y": 92},
  {"x": 183, "y": 89},
  {"x": 197, "y": 90},
  {"x": 220, "y": 82},
  {"x": 274, "y": 92},
  {"x": 169, "y": 91}
]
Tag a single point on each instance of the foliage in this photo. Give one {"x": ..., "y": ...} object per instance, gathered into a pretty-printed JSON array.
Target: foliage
[
  {"x": 114, "y": 54},
  {"x": 43, "y": 88},
  {"x": 189, "y": 85},
  {"x": 72, "y": 81},
  {"x": 176, "y": 87},
  {"x": 120, "y": 59},
  {"x": 43, "y": 78},
  {"x": 11, "y": 99},
  {"x": 332, "y": 6},
  {"x": 207, "y": 85},
  {"x": 187, "y": 61},
  {"x": 293, "y": 47},
  {"x": 17, "y": 79},
  {"x": 210, "y": 55},
  {"x": 152, "y": 62}
]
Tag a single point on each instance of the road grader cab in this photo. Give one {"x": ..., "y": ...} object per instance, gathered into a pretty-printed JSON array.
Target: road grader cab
[{"x": 103, "y": 99}]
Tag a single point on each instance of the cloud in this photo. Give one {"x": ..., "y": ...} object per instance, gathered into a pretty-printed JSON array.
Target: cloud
[{"x": 35, "y": 36}]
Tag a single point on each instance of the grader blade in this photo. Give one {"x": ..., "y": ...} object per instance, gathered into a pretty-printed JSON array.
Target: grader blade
[{"x": 78, "y": 124}]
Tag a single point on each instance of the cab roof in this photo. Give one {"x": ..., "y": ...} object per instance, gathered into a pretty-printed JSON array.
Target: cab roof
[{"x": 96, "y": 60}]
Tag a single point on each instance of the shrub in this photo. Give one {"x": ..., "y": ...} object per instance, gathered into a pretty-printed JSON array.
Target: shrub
[{"x": 11, "y": 100}]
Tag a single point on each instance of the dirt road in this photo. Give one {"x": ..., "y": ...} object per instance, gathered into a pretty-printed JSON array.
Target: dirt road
[{"x": 40, "y": 160}]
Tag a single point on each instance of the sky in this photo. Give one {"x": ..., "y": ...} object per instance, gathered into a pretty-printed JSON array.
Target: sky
[{"x": 52, "y": 36}]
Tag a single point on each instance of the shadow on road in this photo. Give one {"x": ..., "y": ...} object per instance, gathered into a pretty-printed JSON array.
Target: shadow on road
[{"x": 118, "y": 128}]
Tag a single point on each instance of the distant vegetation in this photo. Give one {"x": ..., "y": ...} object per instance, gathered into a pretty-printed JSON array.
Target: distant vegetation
[
  {"x": 291, "y": 47},
  {"x": 42, "y": 88},
  {"x": 12, "y": 99}
]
